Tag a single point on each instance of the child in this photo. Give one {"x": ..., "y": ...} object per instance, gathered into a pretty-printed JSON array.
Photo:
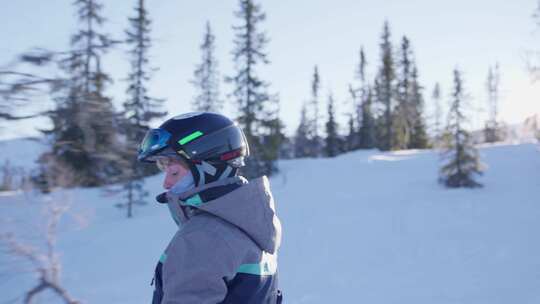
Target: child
[{"x": 226, "y": 248}]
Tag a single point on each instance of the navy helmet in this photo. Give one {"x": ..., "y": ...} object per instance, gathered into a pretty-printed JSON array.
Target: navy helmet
[{"x": 212, "y": 145}]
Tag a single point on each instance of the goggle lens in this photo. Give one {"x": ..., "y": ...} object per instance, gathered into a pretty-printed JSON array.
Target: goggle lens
[{"x": 154, "y": 140}]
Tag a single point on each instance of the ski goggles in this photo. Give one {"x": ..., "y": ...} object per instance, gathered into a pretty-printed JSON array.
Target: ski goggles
[{"x": 155, "y": 141}]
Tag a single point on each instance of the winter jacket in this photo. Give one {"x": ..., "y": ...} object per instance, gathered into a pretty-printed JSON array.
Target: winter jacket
[{"x": 226, "y": 248}]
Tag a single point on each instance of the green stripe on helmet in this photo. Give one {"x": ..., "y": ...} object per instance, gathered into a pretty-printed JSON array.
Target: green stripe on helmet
[{"x": 190, "y": 137}]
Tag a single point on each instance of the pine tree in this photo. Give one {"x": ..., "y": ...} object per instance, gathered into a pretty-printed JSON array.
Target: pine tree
[
  {"x": 367, "y": 127},
  {"x": 492, "y": 130},
  {"x": 350, "y": 143},
  {"x": 100, "y": 139},
  {"x": 258, "y": 110},
  {"x": 402, "y": 118},
  {"x": 363, "y": 100},
  {"x": 361, "y": 73},
  {"x": 206, "y": 77},
  {"x": 272, "y": 137},
  {"x": 135, "y": 195},
  {"x": 301, "y": 140},
  {"x": 314, "y": 133},
  {"x": 68, "y": 163},
  {"x": 332, "y": 146},
  {"x": 139, "y": 109},
  {"x": 437, "y": 114},
  {"x": 384, "y": 91},
  {"x": 83, "y": 146},
  {"x": 461, "y": 157},
  {"x": 358, "y": 97},
  {"x": 419, "y": 137}
]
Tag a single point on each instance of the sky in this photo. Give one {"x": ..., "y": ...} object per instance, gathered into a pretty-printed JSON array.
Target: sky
[{"x": 470, "y": 35}]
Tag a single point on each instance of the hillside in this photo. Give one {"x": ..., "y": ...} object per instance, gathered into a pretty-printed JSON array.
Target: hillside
[{"x": 366, "y": 227}]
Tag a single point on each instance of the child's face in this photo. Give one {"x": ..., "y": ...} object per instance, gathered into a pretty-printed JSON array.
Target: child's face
[{"x": 174, "y": 172}]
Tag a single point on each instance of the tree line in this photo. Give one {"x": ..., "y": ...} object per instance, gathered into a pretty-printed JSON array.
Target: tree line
[{"x": 92, "y": 143}]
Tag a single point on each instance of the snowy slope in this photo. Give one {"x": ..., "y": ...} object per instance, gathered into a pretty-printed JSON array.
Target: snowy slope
[{"x": 366, "y": 227}]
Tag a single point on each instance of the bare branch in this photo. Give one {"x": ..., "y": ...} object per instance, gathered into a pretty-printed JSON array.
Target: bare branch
[{"x": 46, "y": 265}]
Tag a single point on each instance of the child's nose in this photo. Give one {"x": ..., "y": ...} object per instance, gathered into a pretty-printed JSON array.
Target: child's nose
[
  {"x": 167, "y": 185},
  {"x": 170, "y": 180}
]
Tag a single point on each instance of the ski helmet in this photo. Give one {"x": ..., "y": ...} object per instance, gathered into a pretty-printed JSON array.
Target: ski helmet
[{"x": 212, "y": 145}]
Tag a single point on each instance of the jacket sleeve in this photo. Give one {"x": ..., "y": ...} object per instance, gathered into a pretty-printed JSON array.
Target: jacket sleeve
[{"x": 196, "y": 267}]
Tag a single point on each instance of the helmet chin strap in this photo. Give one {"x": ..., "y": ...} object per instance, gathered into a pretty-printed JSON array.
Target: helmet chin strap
[{"x": 206, "y": 168}]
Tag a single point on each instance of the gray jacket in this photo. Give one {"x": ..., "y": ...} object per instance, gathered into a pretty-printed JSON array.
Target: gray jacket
[{"x": 225, "y": 250}]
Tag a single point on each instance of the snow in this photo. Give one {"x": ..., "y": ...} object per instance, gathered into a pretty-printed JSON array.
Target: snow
[{"x": 365, "y": 227}]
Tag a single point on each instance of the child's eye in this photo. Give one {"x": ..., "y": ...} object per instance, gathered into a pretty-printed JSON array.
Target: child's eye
[{"x": 174, "y": 173}]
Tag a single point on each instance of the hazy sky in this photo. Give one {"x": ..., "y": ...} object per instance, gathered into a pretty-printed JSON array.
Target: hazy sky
[{"x": 470, "y": 34}]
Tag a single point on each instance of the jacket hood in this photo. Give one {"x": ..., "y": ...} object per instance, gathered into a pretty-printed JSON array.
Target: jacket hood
[{"x": 251, "y": 208}]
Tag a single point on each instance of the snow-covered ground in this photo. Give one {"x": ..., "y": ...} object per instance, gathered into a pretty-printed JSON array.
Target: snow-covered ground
[{"x": 366, "y": 227}]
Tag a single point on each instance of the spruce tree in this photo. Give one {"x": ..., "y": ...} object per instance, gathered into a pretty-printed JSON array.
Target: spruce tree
[
  {"x": 301, "y": 140},
  {"x": 272, "y": 137},
  {"x": 206, "y": 77},
  {"x": 492, "y": 132},
  {"x": 84, "y": 147},
  {"x": 402, "y": 118},
  {"x": 365, "y": 121},
  {"x": 134, "y": 195},
  {"x": 460, "y": 157},
  {"x": 100, "y": 138},
  {"x": 367, "y": 127},
  {"x": 258, "y": 110},
  {"x": 419, "y": 137},
  {"x": 358, "y": 97},
  {"x": 437, "y": 114},
  {"x": 361, "y": 73},
  {"x": 139, "y": 108},
  {"x": 350, "y": 143},
  {"x": 315, "y": 146},
  {"x": 385, "y": 91},
  {"x": 332, "y": 141}
]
